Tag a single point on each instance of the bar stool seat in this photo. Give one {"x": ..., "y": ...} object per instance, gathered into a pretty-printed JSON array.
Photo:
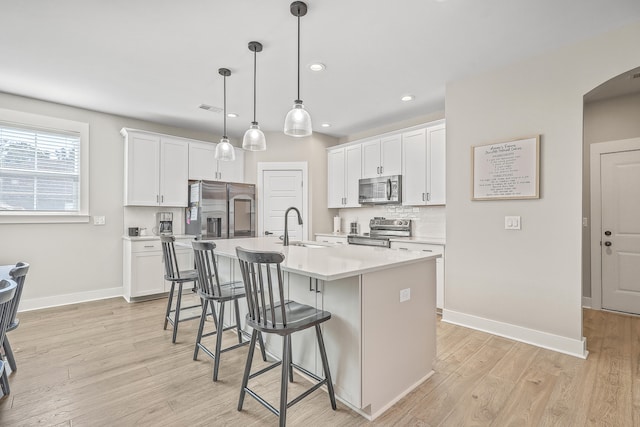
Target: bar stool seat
[
  {"x": 271, "y": 313},
  {"x": 174, "y": 275}
]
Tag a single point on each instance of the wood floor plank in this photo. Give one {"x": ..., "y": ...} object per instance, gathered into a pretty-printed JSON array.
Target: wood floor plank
[{"x": 107, "y": 363}]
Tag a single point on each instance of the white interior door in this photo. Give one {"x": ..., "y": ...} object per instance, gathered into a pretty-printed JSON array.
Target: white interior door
[
  {"x": 282, "y": 190},
  {"x": 620, "y": 250}
]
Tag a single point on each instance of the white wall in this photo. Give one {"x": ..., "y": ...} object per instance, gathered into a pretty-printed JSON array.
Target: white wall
[
  {"x": 525, "y": 284},
  {"x": 79, "y": 261},
  {"x": 313, "y": 150},
  {"x": 607, "y": 120}
]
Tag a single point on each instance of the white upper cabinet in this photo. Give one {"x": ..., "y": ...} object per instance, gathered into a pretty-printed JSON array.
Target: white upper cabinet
[
  {"x": 344, "y": 172},
  {"x": 423, "y": 174},
  {"x": 382, "y": 157},
  {"x": 204, "y": 166},
  {"x": 156, "y": 169}
]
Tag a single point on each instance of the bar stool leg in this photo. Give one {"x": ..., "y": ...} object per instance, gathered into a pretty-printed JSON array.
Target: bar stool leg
[
  {"x": 286, "y": 365},
  {"x": 247, "y": 369},
  {"x": 9, "y": 353},
  {"x": 238, "y": 329},
  {"x": 216, "y": 359},
  {"x": 176, "y": 316},
  {"x": 200, "y": 328},
  {"x": 4, "y": 383},
  {"x": 325, "y": 366},
  {"x": 166, "y": 318},
  {"x": 262, "y": 348}
]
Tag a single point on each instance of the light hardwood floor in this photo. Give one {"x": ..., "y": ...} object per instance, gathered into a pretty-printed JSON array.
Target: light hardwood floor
[{"x": 110, "y": 363}]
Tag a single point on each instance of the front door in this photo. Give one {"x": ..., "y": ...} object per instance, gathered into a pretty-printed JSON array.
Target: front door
[
  {"x": 620, "y": 247},
  {"x": 282, "y": 189}
]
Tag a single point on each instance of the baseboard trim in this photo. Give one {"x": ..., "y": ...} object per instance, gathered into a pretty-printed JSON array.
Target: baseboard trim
[
  {"x": 572, "y": 347},
  {"x": 586, "y": 302},
  {"x": 66, "y": 299}
]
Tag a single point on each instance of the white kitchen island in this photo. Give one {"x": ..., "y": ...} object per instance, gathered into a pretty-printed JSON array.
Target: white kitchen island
[{"x": 379, "y": 348}]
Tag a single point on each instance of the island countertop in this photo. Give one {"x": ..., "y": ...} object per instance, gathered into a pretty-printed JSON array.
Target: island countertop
[{"x": 330, "y": 262}]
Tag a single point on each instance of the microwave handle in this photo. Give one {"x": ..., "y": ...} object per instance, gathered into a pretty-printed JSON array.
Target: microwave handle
[{"x": 388, "y": 189}]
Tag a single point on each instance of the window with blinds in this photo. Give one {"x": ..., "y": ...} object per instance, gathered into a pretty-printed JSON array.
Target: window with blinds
[{"x": 39, "y": 170}]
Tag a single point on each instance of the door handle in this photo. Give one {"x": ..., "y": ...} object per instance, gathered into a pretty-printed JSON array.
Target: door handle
[
  {"x": 607, "y": 233},
  {"x": 267, "y": 233},
  {"x": 607, "y": 243}
]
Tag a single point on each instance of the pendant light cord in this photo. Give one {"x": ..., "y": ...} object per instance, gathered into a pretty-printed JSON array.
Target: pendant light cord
[
  {"x": 298, "y": 56},
  {"x": 254, "y": 86},
  {"x": 225, "y": 105}
]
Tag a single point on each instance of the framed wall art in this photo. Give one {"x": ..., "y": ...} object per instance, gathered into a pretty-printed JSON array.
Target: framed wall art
[{"x": 506, "y": 170}]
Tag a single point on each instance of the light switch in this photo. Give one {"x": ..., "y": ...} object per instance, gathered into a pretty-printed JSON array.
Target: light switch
[
  {"x": 405, "y": 294},
  {"x": 512, "y": 223},
  {"x": 98, "y": 220}
]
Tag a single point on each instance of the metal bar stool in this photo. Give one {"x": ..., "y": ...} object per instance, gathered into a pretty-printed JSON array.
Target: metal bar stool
[
  {"x": 174, "y": 275},
  {"x": 7, "y": 295},
  {"x": 210, "y": 290},
  {"x": 18, "y": 274},
  {"x": 282, "y": 317}
]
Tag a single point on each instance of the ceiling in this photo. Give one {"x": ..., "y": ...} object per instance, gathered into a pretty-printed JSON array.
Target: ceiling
[{"x": 157, "y": 60}]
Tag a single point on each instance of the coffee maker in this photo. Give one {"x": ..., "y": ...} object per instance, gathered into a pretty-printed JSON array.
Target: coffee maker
[{"x": 164, "y": 223}]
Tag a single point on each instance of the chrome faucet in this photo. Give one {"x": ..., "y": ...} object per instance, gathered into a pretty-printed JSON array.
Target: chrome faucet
[{"x": 285, "y": 242}]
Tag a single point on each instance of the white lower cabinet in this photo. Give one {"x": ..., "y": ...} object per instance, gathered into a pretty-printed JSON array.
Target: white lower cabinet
[
  {"x": 143, "y": 272},
  {"x": 431, "y": 248}
]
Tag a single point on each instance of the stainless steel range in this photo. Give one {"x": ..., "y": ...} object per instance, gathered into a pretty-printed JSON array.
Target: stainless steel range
[{"x": 382, "y": 230}]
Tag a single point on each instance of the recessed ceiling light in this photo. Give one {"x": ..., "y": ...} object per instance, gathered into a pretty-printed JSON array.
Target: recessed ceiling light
[
  {"x": 317, "y": 66},
  {"x": 326, "y": 125},
  {"x": 408, "y": 98},
  {"x": 232, "y": 115}
]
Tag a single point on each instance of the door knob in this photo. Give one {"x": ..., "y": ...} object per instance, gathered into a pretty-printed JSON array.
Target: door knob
[
  {"x": 607, "y": 233},
  {"x": 607, "y": 243},
  {"x": 267, "y": 233}
]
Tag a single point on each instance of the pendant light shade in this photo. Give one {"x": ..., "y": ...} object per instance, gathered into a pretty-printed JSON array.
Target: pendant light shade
[
  {"x": 224, "y": 149},
  {"x": 254, "y": 139},
  {"x": 298, "y": 121}
]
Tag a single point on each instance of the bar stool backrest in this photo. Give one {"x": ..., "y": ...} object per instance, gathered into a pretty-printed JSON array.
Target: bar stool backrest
[
  {"x": 259, "y": 272},
  {"x": 171, "y": 270},
  {"x": 7, "y": 295},
  {"x": 18, "y": 274},
  {"x": 208, "y": 281}
]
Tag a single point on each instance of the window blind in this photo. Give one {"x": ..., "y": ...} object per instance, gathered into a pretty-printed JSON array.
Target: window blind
[{"x": 39, "y": 170}]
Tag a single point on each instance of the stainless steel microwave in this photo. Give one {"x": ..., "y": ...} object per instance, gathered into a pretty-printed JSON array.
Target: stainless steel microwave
[{"x": 383, "y": 190}]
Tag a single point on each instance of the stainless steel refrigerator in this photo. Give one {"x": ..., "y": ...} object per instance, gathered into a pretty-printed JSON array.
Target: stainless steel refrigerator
[{"x": 221, "y": 210}]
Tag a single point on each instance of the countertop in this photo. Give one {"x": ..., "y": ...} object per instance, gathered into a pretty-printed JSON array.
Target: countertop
[
  {"x": 154, "y": 237},
  {"x": 328, "y": 263},
  {"x": 416, "y": 239}
]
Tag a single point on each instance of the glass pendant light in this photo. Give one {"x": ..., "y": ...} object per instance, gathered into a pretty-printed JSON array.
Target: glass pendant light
[
  {"x": 298, "y": 121},
  {"x": 224, "y": 149},
  {"x": 254, "y": 139}
]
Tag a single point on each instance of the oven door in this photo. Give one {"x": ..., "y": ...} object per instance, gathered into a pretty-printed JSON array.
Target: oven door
[{"x": 368, "y": 241}]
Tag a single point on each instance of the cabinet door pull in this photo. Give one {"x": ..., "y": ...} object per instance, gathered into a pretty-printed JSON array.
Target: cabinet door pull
[
  {"x": 148, "y": 246},
  {"x": 157, "y": 198},
  {"x": 428, "y": 197},
  {"x": 381, "y": 169},
  {"x": 404, "y": 249},
  {"x": 162, "y": 198},
  {"x": 427, "y": 250},
  {"x": 423, "y": 197}
]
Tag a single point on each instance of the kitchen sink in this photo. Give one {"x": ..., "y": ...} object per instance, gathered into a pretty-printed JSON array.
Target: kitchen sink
[{"x": 310, "y": 245}]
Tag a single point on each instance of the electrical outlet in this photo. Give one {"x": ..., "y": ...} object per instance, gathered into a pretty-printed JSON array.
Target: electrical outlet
[
  {"x": 98, "y": 220},
  {"x": 512, "y": 223},
  {"x": 405, "y": 295}
]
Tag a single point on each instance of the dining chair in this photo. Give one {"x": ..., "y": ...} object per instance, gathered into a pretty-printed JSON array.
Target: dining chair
[
  {"x": 211, "y": 290},
  {"x": 18, "y": 274},
  {"x": 271, "y": 313},
  {"x": 174, "y": 275},
  {"x": 7, "y": 294}
]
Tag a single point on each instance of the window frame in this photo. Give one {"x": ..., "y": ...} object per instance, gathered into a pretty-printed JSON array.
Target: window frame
[{"x": 52, "y": 124}]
